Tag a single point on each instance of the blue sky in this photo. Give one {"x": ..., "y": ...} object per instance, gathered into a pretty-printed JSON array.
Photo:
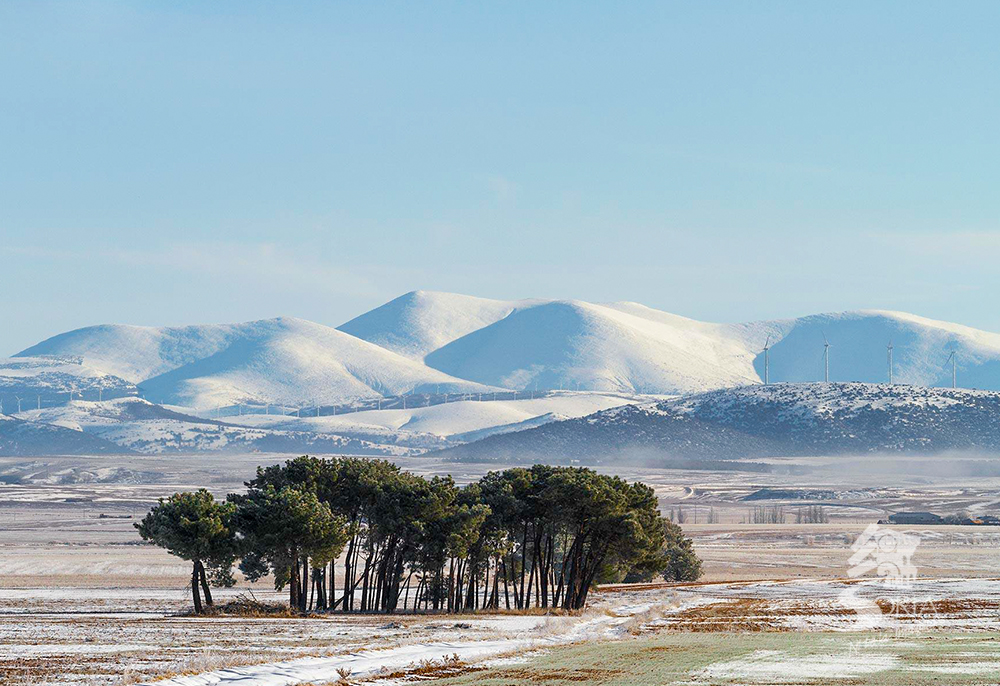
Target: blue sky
[{"x": 169, "y": 163}]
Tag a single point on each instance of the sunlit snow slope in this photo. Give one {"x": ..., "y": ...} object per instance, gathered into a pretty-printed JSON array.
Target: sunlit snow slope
[
  {"x": 420, "y": 322},
  {"x": 629, "y": 347},
  {"x": 443, "y": 342},
  {"x": 275, "y": 360}
]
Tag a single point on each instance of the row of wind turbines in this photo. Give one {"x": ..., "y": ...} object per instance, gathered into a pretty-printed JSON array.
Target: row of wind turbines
[
  {"x": 952, "y": 358},
  {"x": 38, "y": 398},
  {"x": 19, "y": 400}
]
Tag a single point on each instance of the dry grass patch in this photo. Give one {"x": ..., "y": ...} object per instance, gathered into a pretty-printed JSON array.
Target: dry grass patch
[{"x": 748, "y": 614}]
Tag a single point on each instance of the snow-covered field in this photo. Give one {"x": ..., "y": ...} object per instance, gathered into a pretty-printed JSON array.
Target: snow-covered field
[
  {"x": 81, "y": 603},
  {"x": 131, "y": 635}
]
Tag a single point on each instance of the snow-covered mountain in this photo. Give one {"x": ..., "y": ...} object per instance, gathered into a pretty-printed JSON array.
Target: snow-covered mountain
[
  {"x": 557, "y": 344},
  {"x": 132, "y": 425},
  {"x": 442, "y": 425},
  {"x": 628, "y": 347},
  {"x": 442, "y": 342},
  {"x": 285, "y": 360},
  {"x": 573, "y": 344},
  {"x": 420, "y": 322},
  {"x": 858, "y": 349},
  {"x": 45, "y": 380},
  {"x": 25, "y": 438},
  {"x": 764, "y": 421}
]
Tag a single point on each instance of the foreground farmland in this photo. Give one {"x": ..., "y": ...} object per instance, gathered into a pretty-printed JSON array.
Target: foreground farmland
[
  {"x": 754, "y": 659},
  {"x": 756, "y": 633},
  {"x": 82, "y": 603}
]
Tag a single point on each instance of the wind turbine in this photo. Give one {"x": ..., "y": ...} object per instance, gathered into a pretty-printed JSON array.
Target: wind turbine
[
  {"x": 826, "y": 360},
  {"x": 953, "y": 358},
  {"x": 18, "y": 404},
  {"x": 767, "y": 360},
  {"x": 888, "y": 350}
]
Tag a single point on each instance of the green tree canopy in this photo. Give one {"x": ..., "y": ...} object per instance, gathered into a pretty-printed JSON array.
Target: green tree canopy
[
  {"x": 194, "y": 526},
  {"x": 547, "y": 534},
  {"x": 281, "y": 528}
]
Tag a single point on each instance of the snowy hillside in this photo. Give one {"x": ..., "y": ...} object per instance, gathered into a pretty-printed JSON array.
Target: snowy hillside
[
  {"x": 25, "y": 438},
  {"x": 137, "y": 353},
  {"x": 440, "y": 426},
  {"x": 134, "y": 425},
  {"x": 284, "y": 360},
  {"x": 628, "y": 347},
  {"x": 858, "y": 342},
  {"x": 570, "y": 344},
  {"x": 428, "y": 342},
  {"x": 761, "y": 421},
  {"x": 420, "y": 322},
  {"x": 44, "y": 381}
]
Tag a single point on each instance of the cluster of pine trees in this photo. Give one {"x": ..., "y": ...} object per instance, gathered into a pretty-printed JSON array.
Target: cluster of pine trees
[{"x": 520, "y": 538}]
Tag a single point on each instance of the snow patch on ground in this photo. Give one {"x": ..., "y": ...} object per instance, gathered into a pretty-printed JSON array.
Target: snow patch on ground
[{"x": 779, "y": 667}]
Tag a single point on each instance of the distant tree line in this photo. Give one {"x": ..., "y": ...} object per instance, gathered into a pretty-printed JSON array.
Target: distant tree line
[
  {"x": 767, "y": 515},
  {"x": 516, "y": 539},
  {"x": 812, "y": 514}
]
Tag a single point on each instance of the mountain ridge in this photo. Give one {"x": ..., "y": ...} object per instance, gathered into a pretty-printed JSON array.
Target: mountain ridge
[
  {"x": 427, "y": 341},
  {"x": 283, "y": 359},
  {"x": 777, "y": 420}
]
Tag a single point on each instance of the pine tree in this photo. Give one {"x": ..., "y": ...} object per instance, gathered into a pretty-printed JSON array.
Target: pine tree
[{"x": 195, "y": 527}]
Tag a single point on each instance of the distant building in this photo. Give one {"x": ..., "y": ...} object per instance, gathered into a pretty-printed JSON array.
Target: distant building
[{"x": 914, "y": 518}]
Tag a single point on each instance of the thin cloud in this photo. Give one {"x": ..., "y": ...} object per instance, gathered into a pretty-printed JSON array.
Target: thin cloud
[
  {"x": 258, "y": 263},
  {"x": 965, "y": 246},
  {"x": 503, "y": 189}
]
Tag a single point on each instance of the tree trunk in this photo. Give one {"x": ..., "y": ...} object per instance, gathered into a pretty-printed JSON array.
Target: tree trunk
[
  {"x": 312, "y": 590},
  {"x": 451, "y": 585},
  {"x": 195, "y": 581},
  {"x": 348, "y": 573},
  {"x": 204, "y": 584},
  {"x": 304, "y": 585},
  {"x": 470, "y": 593},
  {"x": 293, "y": 584},
  {"x": 531, "y": 579},
  {"x": 543, "y": 575},
  {"x": 364, "y": 585},
  {"x": 524, "y": 565},
  {"x": 333, "y": 584},
  {"x": 506, "y": 593}
]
